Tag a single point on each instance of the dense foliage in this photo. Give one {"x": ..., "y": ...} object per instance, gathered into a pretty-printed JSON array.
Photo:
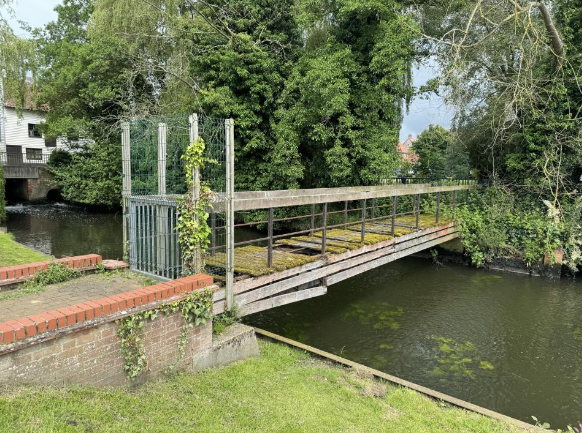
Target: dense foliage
[
  {"x": 512, "y": 69},
  {"x": 86, "y": 82},
  {"x": 91, "y": 175},
  {"x": 440, "y": 154},
  {"x": 315, "y": 87}
]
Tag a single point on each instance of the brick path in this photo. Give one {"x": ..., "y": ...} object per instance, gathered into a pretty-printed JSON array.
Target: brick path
[{"x": 72, "y": 292}]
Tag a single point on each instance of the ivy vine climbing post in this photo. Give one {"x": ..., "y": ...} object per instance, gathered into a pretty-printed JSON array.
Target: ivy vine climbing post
[{"x": 192, "y": 227}]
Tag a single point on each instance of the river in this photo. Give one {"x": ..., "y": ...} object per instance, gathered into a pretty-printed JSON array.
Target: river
[{"x": 508, "y": 342}]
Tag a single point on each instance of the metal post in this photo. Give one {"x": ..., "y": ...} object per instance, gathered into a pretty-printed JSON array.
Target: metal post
[
  {"x": 312, "y": 220},
  {"x": 270, "y": 236},
  {"x": 162, "y": 131},
  {"x": 324, "y": 234},
  {"x": 363, "y": 221},
  {"x": 438, "y": 207},
  {"x": 346, "y": 214},
  {"x": 417, "y": 211},
  {"x": 374, "y": 202},
  {"x": 159, "y": 223},
  {"x": 193, "y": 136},
  {"x": 229, "y": 130},
  {"x": 126, "y": 166},
  {"x": 394, "y": 206},
  {"x": 196, "y": 172}
]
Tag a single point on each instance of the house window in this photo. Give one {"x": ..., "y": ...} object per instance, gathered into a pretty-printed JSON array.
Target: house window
[
  {"x": 33, "y": 131},
  {"x": 50, "y": 143},
  {"x": 34, "y": 154}
]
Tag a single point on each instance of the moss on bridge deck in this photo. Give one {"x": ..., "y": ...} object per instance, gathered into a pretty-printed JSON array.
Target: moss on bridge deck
[{"x": 300, "y": 250}]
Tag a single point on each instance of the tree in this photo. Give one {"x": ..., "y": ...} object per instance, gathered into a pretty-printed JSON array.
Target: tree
[
  {"x": 88, "y": 83},
  {"x": 341, "y": 108},
  {"x": 91, "y": 175},
  {"x": 440, "y": 155},
  {"x": 315, "y": 87}
]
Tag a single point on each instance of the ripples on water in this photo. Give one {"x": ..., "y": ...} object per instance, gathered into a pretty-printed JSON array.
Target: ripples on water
[{"x": 507, "y": 342}]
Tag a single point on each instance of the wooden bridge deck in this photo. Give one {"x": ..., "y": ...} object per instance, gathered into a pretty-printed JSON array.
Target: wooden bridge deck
[{"x": 299, "y": 271}]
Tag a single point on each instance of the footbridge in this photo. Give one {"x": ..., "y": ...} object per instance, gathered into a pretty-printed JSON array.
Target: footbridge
[
  {"x": 345, "y": 232},
  {"x": 27, "y": 177},
  {"x": 271, "y": 248}
]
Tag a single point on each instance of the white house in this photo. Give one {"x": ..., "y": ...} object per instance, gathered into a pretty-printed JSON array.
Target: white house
[{"x": 20, "y": 138}]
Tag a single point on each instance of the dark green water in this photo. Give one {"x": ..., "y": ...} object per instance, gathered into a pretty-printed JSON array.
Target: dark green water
[
  {"x": 507, "y": 342},
  {"x": 62, "y": 230}
]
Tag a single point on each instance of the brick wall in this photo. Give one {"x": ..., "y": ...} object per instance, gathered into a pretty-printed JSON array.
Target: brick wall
[
  {"x": 89, "y": 352},
  {"x": 15, "y": 274}
]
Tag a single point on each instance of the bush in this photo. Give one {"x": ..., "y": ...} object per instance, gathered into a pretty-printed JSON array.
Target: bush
[
  {"x": 496, "y": 225},
  {"x": 56, "y": 273},
  {"x": 90, "y": 176}
]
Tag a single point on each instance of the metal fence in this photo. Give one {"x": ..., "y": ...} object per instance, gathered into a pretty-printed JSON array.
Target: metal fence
[
  {"x": 24, "y": 158},
  {"x": 154, "y": 180}
]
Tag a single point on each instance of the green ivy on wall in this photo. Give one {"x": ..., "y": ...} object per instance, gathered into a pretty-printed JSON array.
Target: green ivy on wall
[{"x": 196, "y": 310}]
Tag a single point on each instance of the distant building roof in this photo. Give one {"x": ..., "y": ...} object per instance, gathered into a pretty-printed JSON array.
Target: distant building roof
[
  {"x": 405, "y": 151},
  {"x": 29, "y": 103}
]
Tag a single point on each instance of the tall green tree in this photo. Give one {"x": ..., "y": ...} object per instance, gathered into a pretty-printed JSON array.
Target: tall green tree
[
  {"x": 88, "y": 84},
  {"x": 316, "y": 88},
  {"x": 440, "y": 155}
]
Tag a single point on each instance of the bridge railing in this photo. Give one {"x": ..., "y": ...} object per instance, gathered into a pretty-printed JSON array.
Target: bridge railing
[
  {"x": 280, "y": 215},
  {"x": 23, "y": 159}
]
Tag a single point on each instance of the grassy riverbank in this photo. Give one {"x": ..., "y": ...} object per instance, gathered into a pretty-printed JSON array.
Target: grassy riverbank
[
  {"x": 12, "y": 253},
  {"x": 284, "y": 390}
]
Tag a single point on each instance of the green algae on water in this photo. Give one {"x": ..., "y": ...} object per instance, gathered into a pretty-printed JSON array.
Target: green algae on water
[
  {"x": 458, "y": 359},
  {"x": 380, "y": 315}
]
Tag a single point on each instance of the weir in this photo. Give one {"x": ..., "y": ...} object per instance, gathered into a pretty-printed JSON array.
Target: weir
[{"x": 314, "y": 237}]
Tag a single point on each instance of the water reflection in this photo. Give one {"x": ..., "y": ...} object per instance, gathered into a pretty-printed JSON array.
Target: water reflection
[{"x": 62, "y": 230}]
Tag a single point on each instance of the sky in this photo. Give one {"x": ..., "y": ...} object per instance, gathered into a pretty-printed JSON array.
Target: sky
[{"x": 422, "y": 113}]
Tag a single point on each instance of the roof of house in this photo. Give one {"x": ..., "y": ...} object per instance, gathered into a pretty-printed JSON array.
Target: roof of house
[
  {"x": 404, "y": 149},
  {"x": 29, "y": 103}
]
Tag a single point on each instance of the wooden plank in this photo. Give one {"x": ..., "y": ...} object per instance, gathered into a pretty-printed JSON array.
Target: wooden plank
[
  {"x": 250, "y": 195},
  {"x": 340, "y": 276},
  {"x": 251, "y": 283},
  {"x": 307, "y": 198},
  {"x": 280, "y": 300},
  {"x": 279, "y": 286},
  {"x": 219, "y": 307}
]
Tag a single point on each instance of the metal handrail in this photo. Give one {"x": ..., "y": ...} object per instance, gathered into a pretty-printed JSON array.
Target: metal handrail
[{"x": 15, "y": 159}]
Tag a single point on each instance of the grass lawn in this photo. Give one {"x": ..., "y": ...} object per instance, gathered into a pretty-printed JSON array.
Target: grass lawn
[
  {"x": 284, "y": 390},
  {"x": 12, "y": 253}
]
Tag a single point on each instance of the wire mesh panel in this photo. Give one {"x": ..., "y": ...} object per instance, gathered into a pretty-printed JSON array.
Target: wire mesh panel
[
  {"x": 144, "y": 157},
  {"x": 156, "y": 148}
]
